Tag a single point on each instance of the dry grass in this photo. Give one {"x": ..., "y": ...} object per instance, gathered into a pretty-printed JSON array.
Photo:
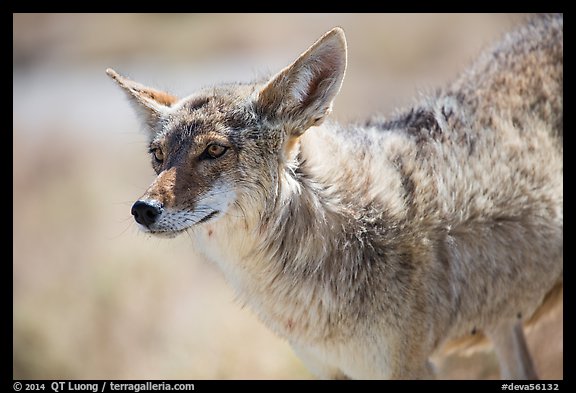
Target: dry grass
[{"x": 93, "y": 297}]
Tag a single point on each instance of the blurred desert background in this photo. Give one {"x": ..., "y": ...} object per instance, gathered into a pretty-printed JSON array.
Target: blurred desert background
[{"x": 93, "y": 298}]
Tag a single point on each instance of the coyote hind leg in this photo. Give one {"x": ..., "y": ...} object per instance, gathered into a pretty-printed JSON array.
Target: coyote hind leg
[{"x": 512, "y": 351}]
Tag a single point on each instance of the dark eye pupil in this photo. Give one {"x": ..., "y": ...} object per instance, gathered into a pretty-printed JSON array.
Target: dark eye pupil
[
  {"x": 216, "y": 151},
  {"x": 157, "y": 154}
]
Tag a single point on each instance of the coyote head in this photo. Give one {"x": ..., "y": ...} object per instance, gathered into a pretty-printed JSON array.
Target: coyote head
[{"x": 223, "y": 147}]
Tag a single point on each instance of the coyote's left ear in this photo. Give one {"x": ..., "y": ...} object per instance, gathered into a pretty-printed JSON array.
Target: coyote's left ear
[
  {"x": 149, "y": 103},
  {"x": 301, "y": 95}
]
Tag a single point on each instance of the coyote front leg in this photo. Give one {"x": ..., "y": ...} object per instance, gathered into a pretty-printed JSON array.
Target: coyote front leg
[{"x": 512, "y": 351}]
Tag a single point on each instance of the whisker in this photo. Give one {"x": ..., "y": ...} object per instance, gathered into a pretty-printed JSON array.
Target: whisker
[{"x": 122, "y": 232}]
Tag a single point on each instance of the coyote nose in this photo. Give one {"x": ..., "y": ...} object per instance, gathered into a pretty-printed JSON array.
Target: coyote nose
[{"x": 146, "y": 212}]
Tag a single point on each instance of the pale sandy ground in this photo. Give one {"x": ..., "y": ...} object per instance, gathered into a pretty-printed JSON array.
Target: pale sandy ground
[{"x": 93, "y": 297}]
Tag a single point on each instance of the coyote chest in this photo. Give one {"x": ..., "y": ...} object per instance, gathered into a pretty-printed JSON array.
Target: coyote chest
[{"x": 297, "y": 311}]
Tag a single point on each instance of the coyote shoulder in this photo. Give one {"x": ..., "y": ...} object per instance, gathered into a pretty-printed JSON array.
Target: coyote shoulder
[{"x": 371, "y": 246}]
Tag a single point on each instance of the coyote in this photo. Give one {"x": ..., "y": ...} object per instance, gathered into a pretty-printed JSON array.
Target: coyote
[{"x": 372, "y": 246}]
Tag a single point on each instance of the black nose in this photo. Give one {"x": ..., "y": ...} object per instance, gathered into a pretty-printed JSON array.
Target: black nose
[{"x": 146, "y": 212}]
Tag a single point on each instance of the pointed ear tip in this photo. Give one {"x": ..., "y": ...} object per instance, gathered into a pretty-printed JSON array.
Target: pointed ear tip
[
  {"x": 335, "y": 39},
  {"x": 337, "y": 30},
  {"x": 111, "y": 73},
  {"x": 338, "y": 33}
]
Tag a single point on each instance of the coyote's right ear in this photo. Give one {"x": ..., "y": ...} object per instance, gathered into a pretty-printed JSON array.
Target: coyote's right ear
[{"x": 150, "y": 104}]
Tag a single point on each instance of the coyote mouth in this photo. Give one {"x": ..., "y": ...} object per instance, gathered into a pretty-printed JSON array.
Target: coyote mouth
[
  {"x": 173, "y": 231},
  {"x": 208, "y": 217}
]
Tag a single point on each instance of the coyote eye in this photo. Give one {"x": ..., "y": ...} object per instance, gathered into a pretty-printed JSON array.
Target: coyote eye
[
  {"x": 157, "y": 154},
  {"x": 215, "y": 151}
]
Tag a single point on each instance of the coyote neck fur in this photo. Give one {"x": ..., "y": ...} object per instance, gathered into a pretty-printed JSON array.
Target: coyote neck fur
[
  {"x": 311, "y": 251},
  {"x": 309, "y": 225}
]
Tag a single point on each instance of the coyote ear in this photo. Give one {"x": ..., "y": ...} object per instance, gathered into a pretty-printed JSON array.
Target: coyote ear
[
  {"x": 149, "y": 103},
  {"x": 302, "y": 93}
]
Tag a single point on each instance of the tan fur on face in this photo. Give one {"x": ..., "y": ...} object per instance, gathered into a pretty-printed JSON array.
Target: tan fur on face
[{"x": 371, "y": 246}]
